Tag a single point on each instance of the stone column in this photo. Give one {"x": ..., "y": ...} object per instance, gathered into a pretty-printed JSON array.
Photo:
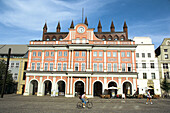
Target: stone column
[
  {"x": 29, "y": 63},
  {"x": 27, "y": 86},
  {"x": 105, "y": 83},
  {"x": 120, "y": 86},
  {"x": 134, "y": 86},
  {"x": 55, "y": 64},
  {"x": 42, "y": 61},
  {"x": 40, "y": 87}
]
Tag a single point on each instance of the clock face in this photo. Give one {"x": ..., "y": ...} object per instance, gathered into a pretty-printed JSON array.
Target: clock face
[{"x": 81, "y": 29}]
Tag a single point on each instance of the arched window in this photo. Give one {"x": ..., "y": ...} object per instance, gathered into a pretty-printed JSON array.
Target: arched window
[
  {"x": 116, "y": 37},
  {"x": 122, "y": 38},
  {"x": 103, "y": 37},
  {"x": 54, "y": 38},
  {"x": 47, "y": 38},
  {"x": 60, "y": 38},
  {"x": 109, "y": 37}
]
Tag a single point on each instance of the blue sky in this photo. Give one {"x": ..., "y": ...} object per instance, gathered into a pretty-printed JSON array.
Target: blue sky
[{"x": 23, "y": 20}]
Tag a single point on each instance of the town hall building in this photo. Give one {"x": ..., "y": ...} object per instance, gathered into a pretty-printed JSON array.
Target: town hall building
[{"x": 81, "y": 60}]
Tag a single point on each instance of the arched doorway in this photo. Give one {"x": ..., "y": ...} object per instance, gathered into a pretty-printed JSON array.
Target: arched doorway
[
  {"x": 127, "y": 88},
  {"x": 61, "y": 88},
  {"x": 97, "y": 88},
  {"x": 112, "y": 89},
  {"x": 79, "y": 88},
  {"x": 151, "y": 90},
  {"x": 48, "y": 86},
  {"x": 33, "y": 87}
]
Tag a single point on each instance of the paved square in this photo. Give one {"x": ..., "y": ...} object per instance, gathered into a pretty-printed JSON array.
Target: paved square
[{"x": 46, "y": 104}]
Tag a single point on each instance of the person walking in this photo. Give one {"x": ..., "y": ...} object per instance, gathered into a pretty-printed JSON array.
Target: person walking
[{"x": 148, "y": 97}]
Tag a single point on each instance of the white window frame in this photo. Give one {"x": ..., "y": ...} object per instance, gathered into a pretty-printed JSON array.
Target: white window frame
[
  {"x": 65, "y": 53},
  {"x": 76, "y": 65},
  {"x": 101, "y": 68},
  {"x": 83, "y": 53},
  {"x": 94, "y": 67},
  {"x": 123, "y": 67},
  {"x": 100, "y": 54},
  {"x": 77, "y": 53},
  {"x": 122, "y": 54},
  {"x": 52, "y": 53},
  {"x": 33, "y": 66},
  {"x": 115, "y": 67},
  {"x": 60, "y": 53},
  {"x": 109, "y": 67},
  {"x": 45, "y": 68},
  {"x": 39, "y": 53},
  {"x": 108, "y": 54},
  {"x": 64, "y": 66},
  {"x": 37, "y": 65},
  {"x": 114, "y": 54},
  {"x": 47, "y": 53},
  {"x": 129, "y": 65},
  {"x": 59, "y": 66},
  {"x": 83, "y": 68},
  {"x": 128, "y": 54},
  {"x": 34, "y": 53},
  {"x": 95, "y": 53},
  {"x": 51, "y": 68}
]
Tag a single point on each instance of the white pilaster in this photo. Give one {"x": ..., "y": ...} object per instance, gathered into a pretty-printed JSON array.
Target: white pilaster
[
  {"x": 72, "y": 59},
  {"x": 105, "y": 83},
  {"x": 120, "y": 86},
  {"x": 40, "y": 87},
  {"x": 90, "y": 58},
  {"x": 42, "y": 61},
  {"x": 104, "y": 60},
  {"x": 55, "y": 65},
  {"x": 71, "y": 86},
  {"x": 87, "y": 59},
  {"x": 68, "y": 85},
  {"x": 69, "y": 59},
  {"x": 87, "y": 86},
  {"x": 119, "y": 61},
  {"x": 134, "y": 86},
  {"x": 90, "y": 87},
  {"x": 29, "y": 63},
  {"x": 133, "y": 61},
  {"x": 27, "y": 86}
]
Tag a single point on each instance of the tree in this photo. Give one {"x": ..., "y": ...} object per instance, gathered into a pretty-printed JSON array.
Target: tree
[
  {"x": 165, "y": 85},
  {"x": 9, "y": 86}
]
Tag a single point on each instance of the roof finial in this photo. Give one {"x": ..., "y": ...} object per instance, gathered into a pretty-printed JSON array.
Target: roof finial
[
  {"x": 86, "y": 22},
  {"x": 72, "y": 24}
]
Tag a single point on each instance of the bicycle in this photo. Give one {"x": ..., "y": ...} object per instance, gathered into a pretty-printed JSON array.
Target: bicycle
[{"x": 88, "y": 104}]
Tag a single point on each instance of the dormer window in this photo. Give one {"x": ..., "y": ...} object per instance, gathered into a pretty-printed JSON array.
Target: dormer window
[
  {"x": 109, "y": 39},
  {"x": 47, "y": 39},
  {"x": 115, "y": 38},
  {"x": 54, "y": 39},
  {"x": 103, "y": 39},
  {"x": 60, "y": 39},
  {"x": 122, "y": 38}
]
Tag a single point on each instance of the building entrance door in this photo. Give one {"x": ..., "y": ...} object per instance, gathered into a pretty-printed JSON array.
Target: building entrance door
[
  {"x": 79, "y": 88},
  {"x": 97, "y": 89},
  {"x": 48, "y": 86},
  {"x": 61, "y": 88}
]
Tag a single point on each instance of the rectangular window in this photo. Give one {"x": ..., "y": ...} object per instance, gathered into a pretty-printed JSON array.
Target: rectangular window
[
  {"x": 114, "y": 54},
  {"x": 52, "y": 53},
  {"x": 128, "y": 54},
  {"x": 59, "y": 66},
  {"x": 12, "y": 65},
  {"x": 17, "y": 65},
  {"x": 46, "y": 67},
  {"x": 60, "y": 53},
  {"x": 153, "y": 75},
  {"x": 123, "y": 67},
  {"x": 65, "y": 53},
  {"x": 39, "y": 53},
  {"x": 83, "y": 67},
  {"x": 108, "y": 54},
  {"x": 100, "y": 66},
  {"x": 100, "y": 54},
  {"x": 47, "y": 54},
  {"x": 166, "y": 75},
  {"x": 143, "y": 65},
  {"x": 165, "y": 65},
  {"x": 149, "y": 55},
  {"x": 144, "y": 76},
  {"x": 51, "y": 66},
  {"x": 64, "y": 66},
  {"x": 95, "y": 67},
  {"x": 33, "y": 66},
  {"x": 143, "y": 55},
  {"x": 137, "y": 55},
  {"x": 77, "y": 53},
  {"x": 76, "y": 67},
  {"x": 152, "y": 66},
  {"x": 34, "y": 53},
  {"x": 24, "y": 76},
  {"x": 95, "y": 53},
  {"x": 129, "y": 67},
  {"x": 114, "y": 67},
  {"x": 109, "y": 67},
  {"x": 38, "y": 66},
  {"x": 83, "y": 53},
  {"x": 25, "y": 65},
  {"x": 166, "y": 56},
  {"x": 165, "y": 50},
  {"x": 15, "y": 76},
  {"x": 123, "y": 54},
  {"x": 136, "y": 65}
]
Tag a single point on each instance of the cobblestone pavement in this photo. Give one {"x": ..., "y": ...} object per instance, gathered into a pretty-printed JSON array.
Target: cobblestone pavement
[{"x": 46, "y": 104}]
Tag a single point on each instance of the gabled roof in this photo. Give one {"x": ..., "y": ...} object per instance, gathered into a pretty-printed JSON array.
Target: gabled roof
[{"x": 15, "y": 49}]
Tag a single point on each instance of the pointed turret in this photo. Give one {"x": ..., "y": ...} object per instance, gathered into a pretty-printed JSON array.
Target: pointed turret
[
  {"x": 58, "y": 27},
  {"x": 44, "y": 29},
  {"x": 86, "y": 22},
  {"x": 125, "y": 29},
  {"x": 112, "y": 27},
  {"x": 72, "y": 24},
  {"x": 99, "y": 27}
]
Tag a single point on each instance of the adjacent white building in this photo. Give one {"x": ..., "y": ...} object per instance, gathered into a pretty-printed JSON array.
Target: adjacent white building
[{"x": 147, "y": 66}]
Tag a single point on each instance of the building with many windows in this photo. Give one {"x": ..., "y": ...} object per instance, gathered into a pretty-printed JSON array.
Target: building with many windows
[
  {"x": 17, "y": 64},
  {"x": 163, "y": 54},
  {"x": 81, "y": 60},
  {"x": 147, "y": 66}
]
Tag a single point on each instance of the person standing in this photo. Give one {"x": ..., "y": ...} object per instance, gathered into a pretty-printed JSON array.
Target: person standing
[{"x": 148, "y": 97}]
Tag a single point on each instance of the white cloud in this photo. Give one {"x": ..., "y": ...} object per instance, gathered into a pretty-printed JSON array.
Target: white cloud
[{"x": 31, "y": 14}]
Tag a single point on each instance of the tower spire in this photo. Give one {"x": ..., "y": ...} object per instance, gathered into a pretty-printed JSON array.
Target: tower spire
[
  {"x": 125, "y": 29},
  {"x": 112, "y": 27},
  {"x": 58, "y": 27},
  {"x": 86, "y": 22},
  {"x": 72, "y": 24},
  {"x": 99, "y": 26}
]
